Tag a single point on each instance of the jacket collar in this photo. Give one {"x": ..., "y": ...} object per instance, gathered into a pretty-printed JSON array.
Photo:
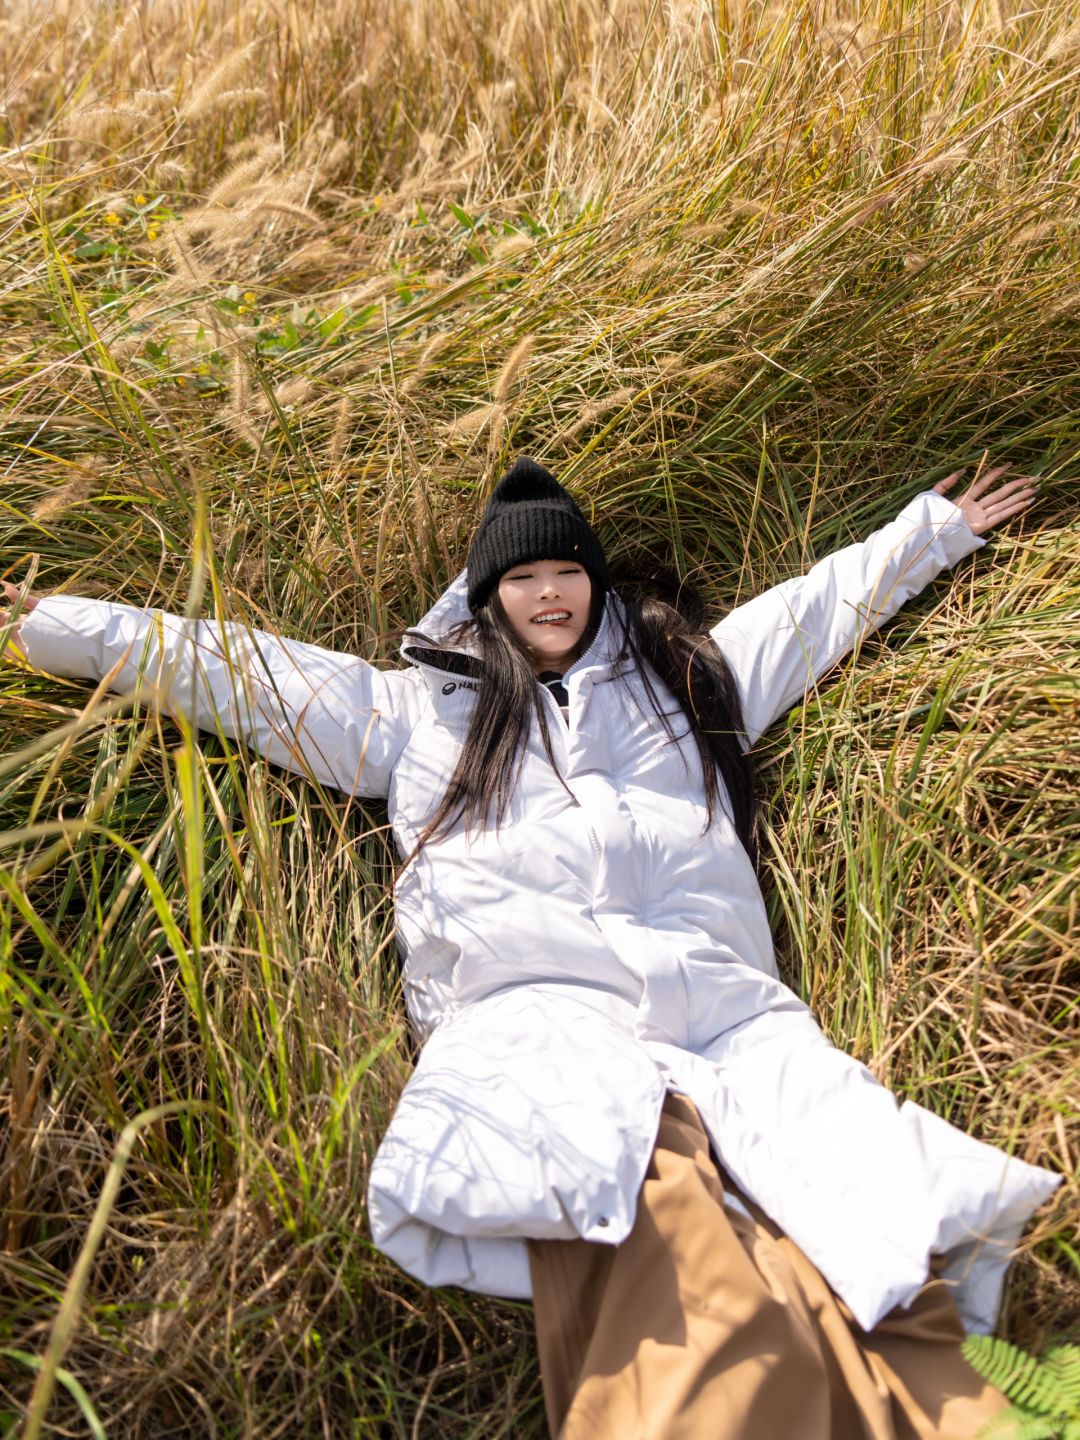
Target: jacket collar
[{"x": 429, "y": 648}]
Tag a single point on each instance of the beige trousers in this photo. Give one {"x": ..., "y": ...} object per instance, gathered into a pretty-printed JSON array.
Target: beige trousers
[{"x": 705, "y": 1325}]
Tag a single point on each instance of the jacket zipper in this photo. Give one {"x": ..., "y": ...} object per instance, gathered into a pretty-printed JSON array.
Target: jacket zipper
[{"x": 594, "y": 839}]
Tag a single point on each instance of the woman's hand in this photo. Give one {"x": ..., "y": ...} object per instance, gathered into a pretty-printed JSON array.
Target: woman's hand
[
  {"x": 11, "y": 594},
  {"x": 983, "y": 510}
]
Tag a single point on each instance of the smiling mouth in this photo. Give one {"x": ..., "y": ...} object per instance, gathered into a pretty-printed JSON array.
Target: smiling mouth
[{"x": 551, "y": 617}]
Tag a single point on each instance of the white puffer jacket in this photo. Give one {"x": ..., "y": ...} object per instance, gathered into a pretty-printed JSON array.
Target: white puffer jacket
[{"x": 598, "y": 948}]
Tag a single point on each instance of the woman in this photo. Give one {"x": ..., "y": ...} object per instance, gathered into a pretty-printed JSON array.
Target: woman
[{"x": 727, "y": 1226}]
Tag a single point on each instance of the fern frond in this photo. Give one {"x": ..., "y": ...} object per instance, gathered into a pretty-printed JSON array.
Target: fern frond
[
  {"x": 1002, "y": 1426},
  {"x": 1017, "y": 1424},
  {"x": 1045, "y": 1393},
  {"x": 1062, "y": 1363},
  {"x": 1007, "y": 1367},
  {"x": 1035, "y": 1427}
]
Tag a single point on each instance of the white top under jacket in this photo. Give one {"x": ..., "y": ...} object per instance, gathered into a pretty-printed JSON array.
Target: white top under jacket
[{"x": 599, "y": 948}]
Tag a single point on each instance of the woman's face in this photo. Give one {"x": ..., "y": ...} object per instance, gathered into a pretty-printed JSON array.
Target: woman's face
[{"x": 547, "y": 604}]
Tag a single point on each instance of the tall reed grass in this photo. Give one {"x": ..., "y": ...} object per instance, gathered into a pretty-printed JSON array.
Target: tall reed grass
[{"x": 284, "y": 287}]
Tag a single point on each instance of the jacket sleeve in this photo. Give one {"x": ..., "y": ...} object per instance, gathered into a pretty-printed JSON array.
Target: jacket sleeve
[
  {"x": 315, "y": 711},
  {"x": 782, "y": 642}
]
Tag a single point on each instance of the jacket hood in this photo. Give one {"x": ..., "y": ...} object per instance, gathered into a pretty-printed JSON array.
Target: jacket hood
[{"x": 428, "y": 644}]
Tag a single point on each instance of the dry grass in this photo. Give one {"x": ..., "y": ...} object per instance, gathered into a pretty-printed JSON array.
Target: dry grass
[{"x": 284, "y": 288}]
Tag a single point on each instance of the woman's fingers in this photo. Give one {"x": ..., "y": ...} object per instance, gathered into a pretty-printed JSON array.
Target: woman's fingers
[
  {"x": 1027, "y": 485},
  {"x": 12, "y": 635},
  {"x": 1009, "y": 510},
  {"x": 12, "y": 592},
  {"x": 982, "y": 506},
  {"x": 977, "y": 490},
  {"x": 1021, "y": 482},
  {"x": 979, "y": 487},
  {"x": 1007, "y": 501}
]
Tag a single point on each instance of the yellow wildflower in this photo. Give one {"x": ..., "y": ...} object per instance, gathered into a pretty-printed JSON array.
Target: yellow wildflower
[
  {"x": 181, "y": 380},
  {"x": 112, "y": 218},
  {"x": 152, "y": 232},
  {"x": 140, "y": 199},
  {"x": 249, "y": 296},
  {"x": 242, "y": 309}
]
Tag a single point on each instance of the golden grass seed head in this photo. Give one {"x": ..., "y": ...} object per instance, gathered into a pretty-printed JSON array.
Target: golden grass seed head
[
  {"x": 433, "y": 347},
  {"x": 80, "y": 486},
  {"x": 496, "y": 430},
  {"x": 470, "y": 423},
  {"x": 512, "y": 367},
  {"x": 244, "y": 95},
  {"x": 430, "y": 143},
  {"x": 334, "y": 163},
  {"x": 313, "y": 257},
  {"x": 1062, "y": 45},
  {"x": 187, "y": 268},
  {"x": 145, "y": 99},
  {"x": 239, "y": 383},
  {"x": 221, "y": 81},
  {"x": 169, "y": 174},
  {"x": 492, "y": 98},
  {"x": 97, "y": 121},
  {"x": 593, "y": 409},
  {"x": 294, "y": 391},
  {"x": 243, "y": 174},
  {"x": 298, "y": 214},
  {"x": 949, "y": 160},
  {"x": 511, "y": 245},
  {"x": 342, "y": 431},
  {"x": 1037, "y": 233},
  {"x": 746, "y": 205}
]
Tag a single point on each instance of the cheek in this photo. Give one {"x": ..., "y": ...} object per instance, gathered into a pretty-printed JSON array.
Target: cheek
[
  {"x": 582, "y": 602},
  {"x": 516, "y": 609}
]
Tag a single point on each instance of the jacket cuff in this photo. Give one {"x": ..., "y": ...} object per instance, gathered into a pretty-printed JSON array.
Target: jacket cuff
[
  {"x": 63, "y": 635},
  {"x": 953, "y": 535}
]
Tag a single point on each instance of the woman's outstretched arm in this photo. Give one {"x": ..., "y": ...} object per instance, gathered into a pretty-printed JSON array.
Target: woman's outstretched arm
[
  {"x": 780, "y": 643},
  {"x": 323, "y": 714}
]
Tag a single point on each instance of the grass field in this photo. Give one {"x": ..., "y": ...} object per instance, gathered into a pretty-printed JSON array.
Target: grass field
[{"x": 285, "y": 284}]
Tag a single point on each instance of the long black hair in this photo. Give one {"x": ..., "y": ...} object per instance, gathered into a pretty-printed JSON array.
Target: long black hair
[{"x": 661, "y": 639}]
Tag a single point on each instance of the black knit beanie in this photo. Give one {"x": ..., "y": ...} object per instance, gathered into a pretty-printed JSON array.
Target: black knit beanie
[{"x": 530, "y": 517}]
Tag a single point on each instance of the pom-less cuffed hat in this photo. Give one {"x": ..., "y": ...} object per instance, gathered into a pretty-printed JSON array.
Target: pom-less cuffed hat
[{"x": 530, "y": 517}]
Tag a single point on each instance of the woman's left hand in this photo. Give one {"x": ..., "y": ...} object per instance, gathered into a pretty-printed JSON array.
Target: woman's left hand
[{"x": 984, "y": 508}]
